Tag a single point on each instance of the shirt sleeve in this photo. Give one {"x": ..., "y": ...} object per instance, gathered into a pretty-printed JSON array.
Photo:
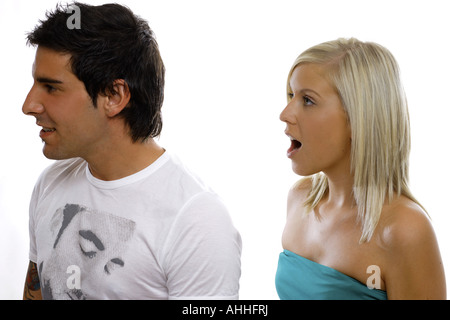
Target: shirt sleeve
[
  {"x": 203, "y": 252},
  {"x": 32, "y": 255},
  {"x": 34, "y": 202}
]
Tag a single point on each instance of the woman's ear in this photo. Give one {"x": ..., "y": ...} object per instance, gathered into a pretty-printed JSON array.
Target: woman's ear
[{"x": 118, "y": 99}]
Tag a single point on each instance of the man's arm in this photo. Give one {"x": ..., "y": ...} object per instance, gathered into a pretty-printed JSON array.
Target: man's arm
[{"x": 32, "y": 289}]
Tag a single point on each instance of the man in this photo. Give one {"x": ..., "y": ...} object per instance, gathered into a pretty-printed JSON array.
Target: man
[{"x": 116, "y": 216}]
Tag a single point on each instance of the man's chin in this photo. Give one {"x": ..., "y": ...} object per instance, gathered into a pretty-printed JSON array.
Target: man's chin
[{"x": 53, "y": 154}]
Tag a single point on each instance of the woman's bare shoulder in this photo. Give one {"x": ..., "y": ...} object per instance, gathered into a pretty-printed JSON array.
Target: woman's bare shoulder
[
  {"x": 413, "y": 267},
  {"x": 298, "y": 194},
  {"x": 404, "y": 223},
  {"x": 301, "y": 188}
]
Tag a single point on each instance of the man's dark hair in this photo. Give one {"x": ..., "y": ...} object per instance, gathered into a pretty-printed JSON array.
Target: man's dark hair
[{"x": 112, "y": 43}]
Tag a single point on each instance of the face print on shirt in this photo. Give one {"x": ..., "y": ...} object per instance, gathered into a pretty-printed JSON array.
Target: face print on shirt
[{"x": 87, "y": 252}]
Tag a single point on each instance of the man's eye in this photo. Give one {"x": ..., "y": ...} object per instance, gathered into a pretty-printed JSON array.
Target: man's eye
[{"x": 50, "y": 88}]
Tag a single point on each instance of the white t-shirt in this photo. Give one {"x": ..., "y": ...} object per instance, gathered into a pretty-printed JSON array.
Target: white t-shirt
[{"x": 157, "y": 234}]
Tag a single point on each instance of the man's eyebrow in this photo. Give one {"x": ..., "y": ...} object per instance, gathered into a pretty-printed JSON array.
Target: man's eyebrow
[{"x": 48, "y": 80}]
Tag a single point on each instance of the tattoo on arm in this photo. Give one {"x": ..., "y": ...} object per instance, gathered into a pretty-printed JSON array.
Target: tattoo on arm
[{"x": 32, "y": 290}]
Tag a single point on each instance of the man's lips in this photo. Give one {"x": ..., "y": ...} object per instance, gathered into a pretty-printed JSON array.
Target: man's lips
[{"x": 46, "y": 131}]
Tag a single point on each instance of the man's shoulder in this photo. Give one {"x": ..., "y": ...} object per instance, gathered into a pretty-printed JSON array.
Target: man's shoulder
[
  {"x": 180, "y": 173},
  {"x": 61, "y": 168},
  {"x": 64, "y": 165},
  {"x": 189, "y": 190}
]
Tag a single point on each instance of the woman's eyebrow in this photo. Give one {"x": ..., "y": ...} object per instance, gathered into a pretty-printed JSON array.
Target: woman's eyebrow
[
  {"x": 310, "y": 90},
  {"x": 305, "y": 91},
  {"x": 90, "y": 236},
  {"x": 118, "y": 261}
]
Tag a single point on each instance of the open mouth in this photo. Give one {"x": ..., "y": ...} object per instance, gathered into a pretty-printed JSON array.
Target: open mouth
[
  {"x": 295, "y": 146},
  {"x": 46, "y": 132}
]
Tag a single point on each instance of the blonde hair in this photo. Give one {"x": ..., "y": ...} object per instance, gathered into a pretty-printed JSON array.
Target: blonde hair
[{"x": 367, "y": 78}]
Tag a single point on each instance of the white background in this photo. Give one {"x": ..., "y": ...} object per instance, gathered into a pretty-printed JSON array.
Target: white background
[{"x": 227, "y": 63}]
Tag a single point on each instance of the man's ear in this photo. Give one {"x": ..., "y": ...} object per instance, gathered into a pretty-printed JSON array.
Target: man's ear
[{"x": 118, "y": 99}]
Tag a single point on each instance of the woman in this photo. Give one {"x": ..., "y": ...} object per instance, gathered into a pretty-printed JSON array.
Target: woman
[{"x": 353, "y": 228}]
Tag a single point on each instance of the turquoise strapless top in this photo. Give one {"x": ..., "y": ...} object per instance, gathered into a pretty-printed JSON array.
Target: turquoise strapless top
[{"x": 298, "y": 278}]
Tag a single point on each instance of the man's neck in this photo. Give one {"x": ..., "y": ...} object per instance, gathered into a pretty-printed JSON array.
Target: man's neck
[{"x": 124, "y": 160}]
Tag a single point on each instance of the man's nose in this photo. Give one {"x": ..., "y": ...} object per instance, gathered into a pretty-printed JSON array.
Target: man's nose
[{"x": 32, "y": 105}]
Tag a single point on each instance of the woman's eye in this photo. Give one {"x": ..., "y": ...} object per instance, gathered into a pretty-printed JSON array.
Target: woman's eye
[
  {"x": 90, "y": 254},
  {"x": 89, "y": 243},
  {"x": 307, "y": 101}
]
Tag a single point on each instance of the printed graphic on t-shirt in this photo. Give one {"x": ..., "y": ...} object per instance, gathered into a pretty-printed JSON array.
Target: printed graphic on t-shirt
[{"x": 88, "y": 250}]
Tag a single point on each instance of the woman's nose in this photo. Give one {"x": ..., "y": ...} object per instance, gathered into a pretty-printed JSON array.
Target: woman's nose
[{"x": 286, "y": 114}]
